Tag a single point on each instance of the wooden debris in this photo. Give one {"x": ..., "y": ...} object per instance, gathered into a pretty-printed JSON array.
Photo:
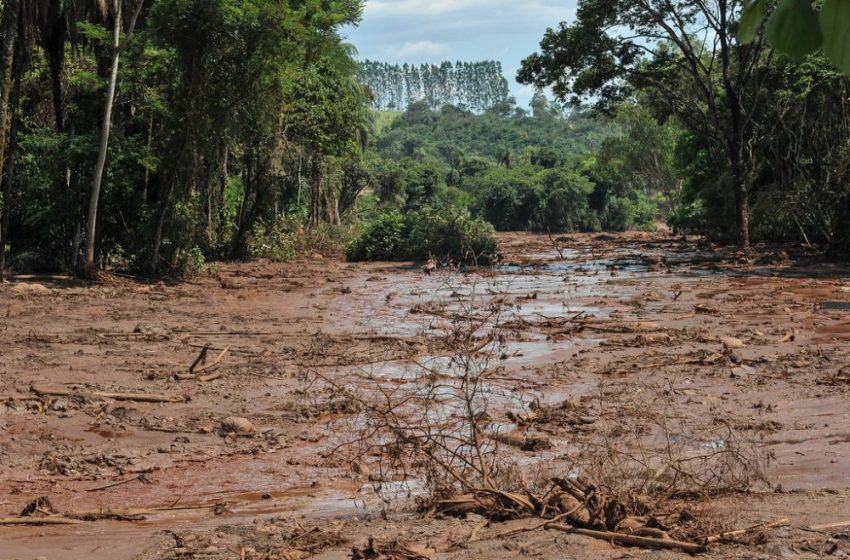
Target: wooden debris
[
  {"x": 828, "y": 526},
  {"x": 40, "y": 506},
  {"x": 137, "y": 397},
  {"x": 394, "y": 550},
  {"x": 214, "y": 363},
  {"x": 630, "y": 540},
  {"x": 522, "y": 441},
  {"x": 37, "y": 521},
  {"x": 114, "y": 484},
  {"x": 739, "y": 532},
  {"x": 195, "y": 371}
]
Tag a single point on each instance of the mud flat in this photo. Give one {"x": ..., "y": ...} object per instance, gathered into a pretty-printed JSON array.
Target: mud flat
[{"x": 117, "y": 399}]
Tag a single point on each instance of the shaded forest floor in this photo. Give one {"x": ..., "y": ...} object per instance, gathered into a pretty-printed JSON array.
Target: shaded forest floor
[{"x": 603, "y": 326}]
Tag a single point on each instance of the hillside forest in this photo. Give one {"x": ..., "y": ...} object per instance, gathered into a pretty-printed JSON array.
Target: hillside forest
[{"x": 156, "y": 135}]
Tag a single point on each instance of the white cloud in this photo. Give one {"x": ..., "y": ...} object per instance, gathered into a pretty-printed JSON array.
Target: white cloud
[
  {"x": 426, "y": 8},
  {"x": 425, "y": 51}
]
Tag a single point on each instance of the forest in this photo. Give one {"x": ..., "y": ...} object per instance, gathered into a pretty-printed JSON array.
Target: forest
[
  {"x": 477, "y": 86},
  {"x": 142, "y": 140}
]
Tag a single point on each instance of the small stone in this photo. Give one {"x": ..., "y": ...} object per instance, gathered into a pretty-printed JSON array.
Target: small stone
[{"x": 237, "y": 425}]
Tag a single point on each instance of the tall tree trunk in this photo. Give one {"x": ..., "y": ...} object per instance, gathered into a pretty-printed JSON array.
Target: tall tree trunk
[
  {"x": 315, "y": 190},
  {"x": 149, "y": 152},
  {"x": 54, "y": 38},
  {"x": 222, "y": 193},
  {"x": 105, "y": 129},
  {"x": 11, "y": 63},
  {"x": 106, "y": 126},
  {"x": 162, "y": 211},
  {"x": 11, "y": 23},
  {"x": 8, "y": 178},
  {"x": 742, "y": 202}
]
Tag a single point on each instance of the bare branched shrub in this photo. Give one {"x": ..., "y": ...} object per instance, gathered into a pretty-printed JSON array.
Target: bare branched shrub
[
  {"x": 430, "y": 430},
  {"x": 433, "y": 428},
  {"x": 642, "y": 446}
]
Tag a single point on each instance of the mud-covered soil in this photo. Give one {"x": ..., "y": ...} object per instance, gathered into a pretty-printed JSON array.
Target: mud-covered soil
[{"x": 600, "y": 331}]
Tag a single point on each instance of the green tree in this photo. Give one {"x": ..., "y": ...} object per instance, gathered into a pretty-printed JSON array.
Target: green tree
[{"x": 713, "y": 86}]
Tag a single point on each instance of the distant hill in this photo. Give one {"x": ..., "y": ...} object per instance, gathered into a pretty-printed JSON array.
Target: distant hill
[{"x": 476, "y": 86}]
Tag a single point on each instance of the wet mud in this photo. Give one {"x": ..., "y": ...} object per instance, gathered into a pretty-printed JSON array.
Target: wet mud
[{"x": 609, "y": 323}]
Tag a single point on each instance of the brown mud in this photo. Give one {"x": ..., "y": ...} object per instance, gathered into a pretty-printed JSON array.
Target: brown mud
[{"x": 758, "y": 341}]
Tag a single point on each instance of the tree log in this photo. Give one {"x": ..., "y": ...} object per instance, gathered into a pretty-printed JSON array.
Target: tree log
[{"x": 631, "y": 540}]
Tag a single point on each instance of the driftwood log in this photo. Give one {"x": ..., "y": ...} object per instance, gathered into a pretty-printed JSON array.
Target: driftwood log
[{"x": 137, "y": 397}]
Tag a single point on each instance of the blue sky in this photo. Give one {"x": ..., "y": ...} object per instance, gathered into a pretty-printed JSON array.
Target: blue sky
[{"x": 420, "y": 31}]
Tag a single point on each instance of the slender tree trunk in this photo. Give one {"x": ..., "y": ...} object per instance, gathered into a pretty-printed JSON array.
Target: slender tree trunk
[
  {"x": 8, "y": 179},
  {"x": 13, "y": 51},
  {"x": 300, "y": 162},
  {"x": 106, "y": 126},
  {"x": 162, "y": 211},
  {"x": 11, "y": 15},
  {"x": 117, "y": 47},
  {"x": 742, "y": 202},
  {"x": 54, "y": 40},
  {"x": 315, "y": 191},
  {"x": 222, "y": 194},
  {"x": 149, "y": 152}
]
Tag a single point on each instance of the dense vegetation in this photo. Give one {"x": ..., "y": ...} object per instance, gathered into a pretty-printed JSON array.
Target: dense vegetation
[
  {"x": 156, "y": 134},
  {"x": 519, "y": 170},
  {"x": 228, "y": 115},
  {"x": 477, "y": 86},
  {"x": 761, "y": 139}
]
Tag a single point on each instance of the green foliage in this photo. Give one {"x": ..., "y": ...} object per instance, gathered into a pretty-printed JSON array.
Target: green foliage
[
  {"x": 793, "y": 28},
  {"x": 835, "y": 23},
  {"x": 221, "y": 105},
  {"x": 385, "y": 119},
  {"x": 633, "y": 211},
  {"x": 564, "y": 204},
  {"x": 752, "y": 16},
  {"x": 455, "y": 136},
  {"x": 190, "y": 263},
  {"x": 288, "y": 238},
  {"x": 444, "y": 234},
  {"x": 381, "y": 240},
  {"x": 534, "y": 179},
  {"x": 689, "y": 218}
]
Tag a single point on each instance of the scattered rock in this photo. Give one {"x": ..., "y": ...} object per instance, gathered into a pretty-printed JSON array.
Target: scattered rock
[
  {"x": 235, "y": 425},
  {"x": 732, "y": 342}
]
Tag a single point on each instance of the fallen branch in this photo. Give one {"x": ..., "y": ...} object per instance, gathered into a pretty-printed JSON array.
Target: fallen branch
[
  {"x": 630, "y": 540},
  {"x": 213, "y": 363},
  {"x": 194, "y": 370},
  {"x": 107, "y": 516},
  {"x": 827, "y": 526},
  {"x": 36, "y": 521},
  {"x": 138, "y": 397},
  {"x": 526, "y": 443},
  {"x": 114, "y": 484},
  {"x": 541, "y": 525},
  {"x": 202, "y": 357},
  {"x": 739, "y": 532}
]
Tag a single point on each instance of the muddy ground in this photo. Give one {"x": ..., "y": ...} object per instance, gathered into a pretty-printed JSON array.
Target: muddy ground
[{"x": 613, "y": 329}]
